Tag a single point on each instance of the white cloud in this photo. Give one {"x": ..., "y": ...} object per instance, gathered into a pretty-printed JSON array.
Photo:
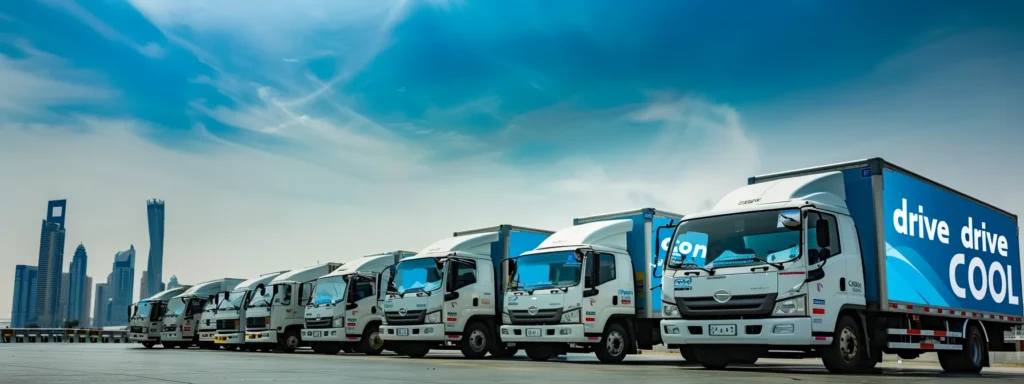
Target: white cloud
[
  {"x": 39, "y": 80},
  {"x": 149, "y": 49}
]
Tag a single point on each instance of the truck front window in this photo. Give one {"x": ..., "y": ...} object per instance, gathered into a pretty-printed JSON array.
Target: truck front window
[
  {"x": 234, "y": 301},
  {"x": 283, "y": 295},
  {"x": 143, "y": 309},
  {"x": 546, "y": 270},
  {"x": 735, "y": 240},
  {"x": 419, "y": 275},
  {"x": 329, "y": 290},
  {"x": 176, "y": 306},
  {"x": 261, "y": 300}
]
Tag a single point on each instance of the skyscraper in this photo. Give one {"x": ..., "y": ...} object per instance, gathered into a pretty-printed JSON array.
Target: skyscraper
[
  {"x": 144, "y": 286},
  {"x": 99, "y": 312},
  {"x": 77, "y": 286},
  {"x": 84, "y": 319},
  {"x": 24, "y": 309},
  {"x": 173, "y": 283},
  {"x": 121, "y": 287},
  {"x": 63, "y": 303},
  {"x": 51, "y": 265},
  {"x": 155, "y": 263}
]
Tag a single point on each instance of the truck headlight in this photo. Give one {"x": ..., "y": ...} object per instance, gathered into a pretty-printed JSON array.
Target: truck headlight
[
  {"x": 339, "y": 322},
  {"x": 433, "y": 317},
  {"x": 505, "y": 318},
  {"x": 791, "y": 307},
  {"x": 572, "y": 316},
  {"x": 669, "y": 310}
]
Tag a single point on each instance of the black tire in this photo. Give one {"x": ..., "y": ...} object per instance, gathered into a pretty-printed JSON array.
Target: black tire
[
  {"x": 710, "y": 358},
  {"x": 614, "y": 344},
  {"x": 289, "y": 341},
  {"x": 973, "y": 356},
  {"x": 416, "y": 350},
  {"x": 266, "y": 348},
  {"x": 539, "y": 352},
  {"x": 502, "y": 351},
  {"x": 746, "y": 360},
  {"x": 688, "y": 354},
  {"x": 848, "y": 350},
  {"x": 371, "y": 343},
  {"x": 476, "y": 341},
  {"x": 149, "y": 344},
  {"x": 167, "y": 345}
]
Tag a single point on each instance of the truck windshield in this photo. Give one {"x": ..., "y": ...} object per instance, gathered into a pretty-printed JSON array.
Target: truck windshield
[
  {"x": 143, "y": 309},
  {"x": 546, "y": 270},
  {"x": 176, "y": 306},
  {"x": 263, "y": 300},
  {"x": 283, "y": 295},
  {"x": 419, "y": 275},
  {"x": 735, "y": 240},
  {"x": 211, "y": 305},
  {"x": 234, "y": 301},
  {"x": 329, "y": 290}
]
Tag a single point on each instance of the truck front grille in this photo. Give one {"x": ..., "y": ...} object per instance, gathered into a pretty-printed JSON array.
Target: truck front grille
[
  {"x": 543, "y": 316},
  {"x": 255, "y": 323},
  {"x": 137, "y": 329},
  {"x": 751, "y": 306},
  {"x": 411, "y": 317},
  {"x": 226, "y": 325},
  {"x": 170, "y": 328},
  {"x": 322, "y": 323}
]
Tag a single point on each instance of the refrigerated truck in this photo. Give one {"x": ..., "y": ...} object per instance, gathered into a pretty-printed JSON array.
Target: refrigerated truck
[
  {"x": 185, "y": 312},
  {"x": 274, "y": 316},
  {"x": 343, "y": 313},
  {"x": 145, "y": 323},
  {"x": 592, "y": 287},
  {"x": 449, "y": 294},
  {"x": 847, "y": 262},
  {"x": 230, "y": 316},
  {"x": 208, "y": 324}
]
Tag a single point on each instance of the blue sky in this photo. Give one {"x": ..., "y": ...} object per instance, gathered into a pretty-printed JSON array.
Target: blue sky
[{"x": 313, "y": 121}]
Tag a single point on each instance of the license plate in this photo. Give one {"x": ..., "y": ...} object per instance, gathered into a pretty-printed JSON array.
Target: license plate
[
  {"x": 316, "y": 334},
  {"x": 402, "y": 332},
  {"x": 722, "y": 330},
  {"x": 220, "y": 341},
  {"x": 533, "y": 332}
]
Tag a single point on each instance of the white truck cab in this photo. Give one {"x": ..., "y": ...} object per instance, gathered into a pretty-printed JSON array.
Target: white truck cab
[
  {"x": 184, "y": 312},
  {"x": 148, "y": 315},
  {"x": 448, "y": 294},
  {"x": 230, "y": 316},
  {"x": 343, "y": 312},
  {"x": 845, "y": 262},
  {"x": 208, "y": 324},
  {"x": 274, "y": 315},
  {"x": 578, "y": 292}
]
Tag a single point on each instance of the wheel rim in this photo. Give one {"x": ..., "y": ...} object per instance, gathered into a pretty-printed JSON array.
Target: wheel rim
[
  {"x": 848, "y": 344},
  {"x": 375, "y": 341},
  {"x": 615, "y": 343},
  {"x": 293, "y": 342},
  {"x": 477, "y": 340}
]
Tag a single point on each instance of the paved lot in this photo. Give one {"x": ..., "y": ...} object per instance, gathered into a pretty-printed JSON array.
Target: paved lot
[{"x": 120, "y": 363}]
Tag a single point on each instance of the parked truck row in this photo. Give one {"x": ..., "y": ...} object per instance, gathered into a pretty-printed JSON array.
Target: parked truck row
[{"x": 845, "y": 262}]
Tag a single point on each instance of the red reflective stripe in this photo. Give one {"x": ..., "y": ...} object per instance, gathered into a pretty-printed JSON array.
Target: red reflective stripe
[
  {"x": 591, "y": 320},
  {"x": 818, "y": 311},
  {"x": 927, "y": 346},
  {"x": 913, "y": 331},
  {"x": 452, "y": 319},
  {"x": 940, "y": 333},
  {"x": 792, "y": 273}
]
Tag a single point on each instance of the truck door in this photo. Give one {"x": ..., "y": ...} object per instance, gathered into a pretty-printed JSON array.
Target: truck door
[
  {"x": 362, "y": 300},
  {"x": 305, "y": 294},
  {"x": 825, "y": 296},
  {"x": 460, "y": 294},
  {"x": 600, "y": 291},
  {"x": 190, "y": 321}
]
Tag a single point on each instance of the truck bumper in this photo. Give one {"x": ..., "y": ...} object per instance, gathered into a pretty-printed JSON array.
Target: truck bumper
[
  {"x": 267, "y": 336},
  {"x": 418, "y": 332},
  {"x": 773, "y": 331},
  {"x": 564, "y": 333},
  {"x": 229, "y": 339},
  {"x": 207, "y": 336},
  {"x": 143, "y": 337},
  {"x": 326, "y": 334},
  {"x": 171, "y": 336}
]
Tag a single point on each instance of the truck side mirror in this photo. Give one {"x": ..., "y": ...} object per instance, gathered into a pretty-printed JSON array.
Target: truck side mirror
[{"x": 824, "y": 237}]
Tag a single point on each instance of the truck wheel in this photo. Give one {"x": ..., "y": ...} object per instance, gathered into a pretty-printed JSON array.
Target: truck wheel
[
  {"x": 971, "y": 359},
  {"x": 712, "y": 359},
  {"x": 475, "y": 341},
  {"x": 167, "y": 345},
  {"x": 746, "y": 360},
  {"x": 503, "y": 351},
  {"x": 688, "y": 355},
  {"x": 288, "y": 342},
  {"x": 148, "y": 344},
  {"x": 846, "y": 352},
  {"x": 539, "y": 352},
  {"x": 613, "y": 346},
  {"x": 371, "y": 343}
]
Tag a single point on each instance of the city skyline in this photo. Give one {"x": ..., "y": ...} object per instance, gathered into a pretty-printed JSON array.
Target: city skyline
[{"x": 279, "y": 139}]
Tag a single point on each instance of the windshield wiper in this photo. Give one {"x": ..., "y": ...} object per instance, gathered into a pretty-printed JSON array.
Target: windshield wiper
[{"x": 710, "y": 271}]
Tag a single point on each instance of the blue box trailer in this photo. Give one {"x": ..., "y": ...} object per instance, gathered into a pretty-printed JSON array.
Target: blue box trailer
[
  {"x": 647, "y": 244},
  {"x": 512, "y": 241},
  {"x": 927, "y": 248}
]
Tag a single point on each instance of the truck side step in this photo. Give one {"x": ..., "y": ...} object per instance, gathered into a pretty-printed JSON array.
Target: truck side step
[
  {"x": 926, "y": 346},
  {"x": 923, "y": 332}
]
